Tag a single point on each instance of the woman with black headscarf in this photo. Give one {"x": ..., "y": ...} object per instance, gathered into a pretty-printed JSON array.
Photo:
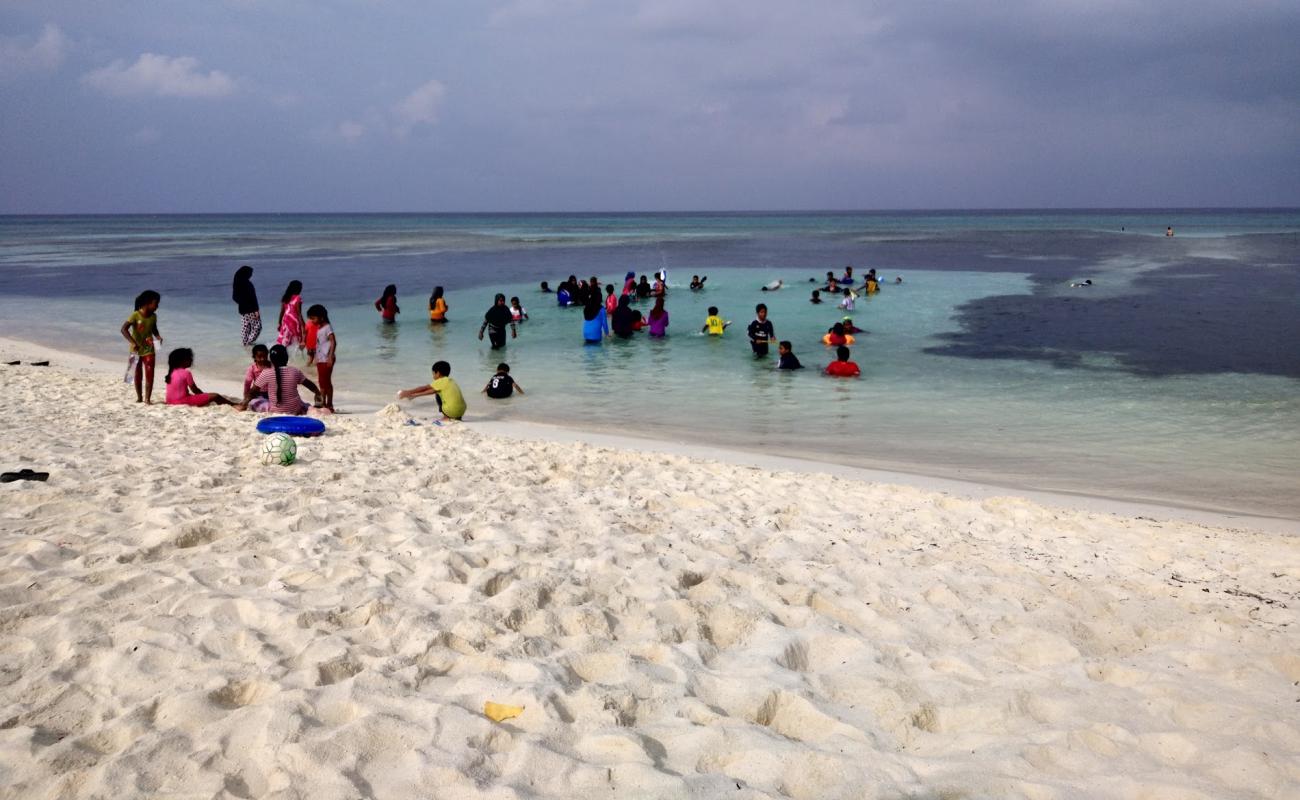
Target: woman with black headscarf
[
  {"x": 495, "y": 321},
  {"x": 623, "y": 318},
  {"x": 245, "y": 297}
]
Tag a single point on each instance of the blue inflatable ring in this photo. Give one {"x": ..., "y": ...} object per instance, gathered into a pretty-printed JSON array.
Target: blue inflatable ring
[{"x": 294, "y": 426}]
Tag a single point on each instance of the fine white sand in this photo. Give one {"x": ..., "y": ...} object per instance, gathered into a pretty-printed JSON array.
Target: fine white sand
[{"x": 177, "y": 619}]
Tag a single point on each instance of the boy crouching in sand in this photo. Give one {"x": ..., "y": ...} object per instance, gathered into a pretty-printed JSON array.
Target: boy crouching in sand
[{"x": 450, "y": 401}]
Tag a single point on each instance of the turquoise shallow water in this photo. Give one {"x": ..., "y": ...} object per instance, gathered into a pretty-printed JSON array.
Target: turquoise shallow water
[
  {"x": 1173, "y": 379},
  {"x": 1193, "y": 440}
]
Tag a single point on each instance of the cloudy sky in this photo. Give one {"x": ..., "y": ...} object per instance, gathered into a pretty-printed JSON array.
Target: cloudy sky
[{"x": 535, "y": 105}]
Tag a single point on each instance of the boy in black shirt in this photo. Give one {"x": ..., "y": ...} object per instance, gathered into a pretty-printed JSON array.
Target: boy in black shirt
[
  {"x": 788, "y": 359},
  {"x": 760, "y": 331},
  {"x": 501, "y": 385}
]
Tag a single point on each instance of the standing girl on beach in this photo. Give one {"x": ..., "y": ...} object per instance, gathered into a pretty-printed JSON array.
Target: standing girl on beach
[
  {"x": 140, "y": 329},
  {"x": 245, "y": 297},
  {"x": 290, "y": 325},
  {"x": 324, "y": 353},
  {"x": 437, "y": 306},
  {"x": 181, "y": 389},
  {"x": 386, "y": 305}
]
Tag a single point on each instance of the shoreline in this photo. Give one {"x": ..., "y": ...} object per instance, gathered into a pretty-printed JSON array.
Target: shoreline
[{"x": 535, "y": 430}]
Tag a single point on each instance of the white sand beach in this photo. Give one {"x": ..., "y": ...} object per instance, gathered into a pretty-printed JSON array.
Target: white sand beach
[{"x": 179, "y": 620}]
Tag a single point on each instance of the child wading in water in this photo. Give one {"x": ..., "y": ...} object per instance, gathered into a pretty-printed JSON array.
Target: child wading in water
[
  {"x": 324, "y": 353},
  {"x": 140, "y": 329},
  {"x": 450, "y": 401},
  {"x": 386, "y": 305},
  {"x": 181, "y": 389},
  {"x": 501, "y": 385}
]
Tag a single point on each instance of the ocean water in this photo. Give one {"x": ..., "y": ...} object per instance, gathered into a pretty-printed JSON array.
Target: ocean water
[{"x": 1173, "y": 378}]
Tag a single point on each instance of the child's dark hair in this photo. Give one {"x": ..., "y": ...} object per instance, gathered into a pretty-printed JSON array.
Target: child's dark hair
[
  {"x": 437, "y": 292},
  {"x": 609, "y": 288},
  {"x": 279, "y": 355},
  {"x": 442, "y": 368},
  {"x": 180, "y": 358},
  {"x": 514, "y": 300},
  {"x": 503, "y": 367},
  {"x": 713, "y": 311},
  {"x": 390, "y": 289},
  {"x": 842, "y": 353},
  {"x": 786, "y": 344},
  {"x": 760, "y": 307},
  {"x": 259, "y": 348},
  {"x": 294, "y": 287},
  {"x": 318, "y": 310},
  {"x": 145, "y": 298}
]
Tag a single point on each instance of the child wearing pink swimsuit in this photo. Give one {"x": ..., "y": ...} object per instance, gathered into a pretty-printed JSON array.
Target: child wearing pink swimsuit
[{"x": 181, "y": 389}]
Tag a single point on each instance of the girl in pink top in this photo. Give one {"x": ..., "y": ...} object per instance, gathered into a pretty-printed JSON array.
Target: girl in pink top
[
  {"x": 280, "y": 382},
  {"x": 261, "y": 362},
  {"x": 291, "y": 326},
  {"x": 181, "y": 389}
]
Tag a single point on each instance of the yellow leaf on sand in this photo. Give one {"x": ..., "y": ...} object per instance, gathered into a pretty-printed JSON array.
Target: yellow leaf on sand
[{"x": 500, "y": 713}]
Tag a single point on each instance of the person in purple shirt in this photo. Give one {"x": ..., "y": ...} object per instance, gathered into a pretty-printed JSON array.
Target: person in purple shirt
[{"x": 658, "y": 318}]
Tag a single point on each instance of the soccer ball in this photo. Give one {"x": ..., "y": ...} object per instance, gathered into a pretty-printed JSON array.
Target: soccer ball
[{"x": 279, "y": 448}]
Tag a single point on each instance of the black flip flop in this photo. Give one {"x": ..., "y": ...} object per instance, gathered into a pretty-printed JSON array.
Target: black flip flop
[
  {"x": 12, "y": 363},
  {"x": 38, "y": 363},
  {"x": 23, "y": 475}
]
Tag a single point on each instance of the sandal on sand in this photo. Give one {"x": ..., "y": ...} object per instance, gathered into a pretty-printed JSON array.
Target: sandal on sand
[
  {"x": 23, "y": 475},
  {"x": 38, "y": 363}
]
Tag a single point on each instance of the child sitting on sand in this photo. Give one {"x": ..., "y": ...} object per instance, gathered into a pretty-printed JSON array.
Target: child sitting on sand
[
  {"x": 841, "y": 367},
  {"x": 501, "y": 385},
  {"x": 280, "y": 385},
  {"x": 181, "y": 389},
  {"x": 713, "y": 324},
  {"x": 261, "y": 361},
  {"x": 450, "y": 401}
]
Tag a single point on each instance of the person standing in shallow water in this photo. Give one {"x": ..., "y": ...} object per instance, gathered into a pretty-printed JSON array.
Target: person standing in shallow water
[
  {"x": 245, "y": 297},
  {"x": 495, "y": 321}
]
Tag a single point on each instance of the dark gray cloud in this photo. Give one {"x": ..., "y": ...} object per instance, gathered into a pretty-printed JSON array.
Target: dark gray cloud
[{"x": 576, "y": 104}]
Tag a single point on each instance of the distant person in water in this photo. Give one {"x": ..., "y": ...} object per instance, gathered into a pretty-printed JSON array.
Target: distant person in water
[
  {"x": 849, "y": 327},
  {"x": 773, "y": 286},
  {"x": 643, "y": 289},
  {"x": 1084, "y": 284},
  {"x": 658, "y": 319},
  {"x": 517, "y": 311},
  {"x": 713, "y": 324},
  {"x": 1169, "y": 231},
  {"x": 495, "y": 321},
  {"x": 623, "y": 320},
  {"x": 595, "y": 322},
  {"x": 761, "y": 332},
  {"x": 437, "y": 306},
  {"x": 787, "y": 358},
  {"x": 563, "y": 297},
  {"x": 611, "y": 300},
  {"x": 386, "y": 305},
  {"x": 847, "y": 278},
  {"x": 245, "y": 297},
  {"x": 842, "y": 367},
  {"x": 139, "y": 330},
  {"x": 849, "y": 300},
  {"x": 832, "y": 285},
  {"x": 837, "y": 336},
  {"x": 546, "y": 288},
  {"x": 816, "y": 298},
  {"x": 501, "y": 385},
  {"x": 697, "y": 282},
  {"x": 898, "y": 279}
]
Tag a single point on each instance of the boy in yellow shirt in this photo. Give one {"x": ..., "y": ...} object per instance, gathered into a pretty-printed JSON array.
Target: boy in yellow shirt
[
  {"x": 450, "y": 400},
  {"x": 713, "y": 325}
]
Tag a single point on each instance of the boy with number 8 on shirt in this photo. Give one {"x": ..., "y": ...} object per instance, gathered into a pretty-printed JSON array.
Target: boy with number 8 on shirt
[{"x": 501, "y": 385}]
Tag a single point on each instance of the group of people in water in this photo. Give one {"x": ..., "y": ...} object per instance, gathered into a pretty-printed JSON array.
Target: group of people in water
[{"x": 271, "y": 384}]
